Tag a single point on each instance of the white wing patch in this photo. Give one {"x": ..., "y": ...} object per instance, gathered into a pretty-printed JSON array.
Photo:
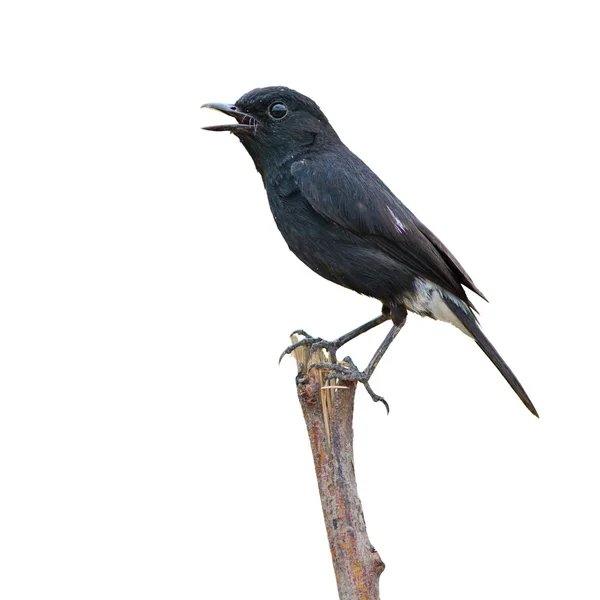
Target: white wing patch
[
  {"x": 429, "y": 300},
  {"x": 400, "y": 226}
]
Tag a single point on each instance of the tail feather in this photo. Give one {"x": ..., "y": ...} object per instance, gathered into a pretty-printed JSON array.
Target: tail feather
[{"x": 469, "y": 322}]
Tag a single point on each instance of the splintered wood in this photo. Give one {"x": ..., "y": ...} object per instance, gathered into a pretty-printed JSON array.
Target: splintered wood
[{"x": 304, "y": 359}]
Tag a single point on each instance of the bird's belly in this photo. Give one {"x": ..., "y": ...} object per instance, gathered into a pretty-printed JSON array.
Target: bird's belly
[{"x": 337, "y": 254}]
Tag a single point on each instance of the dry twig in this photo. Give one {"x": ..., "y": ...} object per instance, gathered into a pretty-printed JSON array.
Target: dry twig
[{"x": 328, "y": 411}]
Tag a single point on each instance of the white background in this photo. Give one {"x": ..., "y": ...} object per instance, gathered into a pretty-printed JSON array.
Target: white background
[{"x": 150, "y": 446}]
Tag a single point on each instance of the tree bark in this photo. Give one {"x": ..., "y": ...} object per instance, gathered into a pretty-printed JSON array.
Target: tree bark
[{"x": 328, "y": 408}]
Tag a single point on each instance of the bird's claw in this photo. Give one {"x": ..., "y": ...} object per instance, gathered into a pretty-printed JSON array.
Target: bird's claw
[
  {"x": 349, "y": 372},
  {"x": 314, "y": 342},
  {"x": 343, "y": 372},
  {"x": 300, "y": 332},
  {"x": 307, "y": 340},
  {"x": 375, "y": 397}
]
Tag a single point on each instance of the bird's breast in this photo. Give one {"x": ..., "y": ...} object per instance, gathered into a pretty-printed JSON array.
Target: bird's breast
[{"x": 335, "y": 253}]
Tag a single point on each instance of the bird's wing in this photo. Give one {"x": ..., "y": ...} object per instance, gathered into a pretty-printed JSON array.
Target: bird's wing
[
  {"x": 450, "y": 259},
  {"x": 342, "y": 189}
]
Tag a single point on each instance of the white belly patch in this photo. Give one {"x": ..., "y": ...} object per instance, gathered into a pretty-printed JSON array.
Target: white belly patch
[{"x": 429, "y": 300}]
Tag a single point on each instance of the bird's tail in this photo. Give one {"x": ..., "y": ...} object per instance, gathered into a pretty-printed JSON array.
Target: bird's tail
[{"x": 469, "y": 322}]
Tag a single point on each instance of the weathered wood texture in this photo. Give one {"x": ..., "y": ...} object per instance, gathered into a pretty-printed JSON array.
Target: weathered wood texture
[{"x": 328, "y": 409}]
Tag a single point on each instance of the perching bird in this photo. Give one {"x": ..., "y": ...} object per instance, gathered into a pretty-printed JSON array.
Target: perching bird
[{"x": 342, "y": 221}]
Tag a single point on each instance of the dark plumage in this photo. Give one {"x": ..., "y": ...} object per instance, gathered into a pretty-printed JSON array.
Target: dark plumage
[{"x": 342, "y": 221}]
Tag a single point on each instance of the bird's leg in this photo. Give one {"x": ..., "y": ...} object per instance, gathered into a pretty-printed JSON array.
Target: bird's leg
[
  {"x": 351, "y": 372},
  {"x": 332, "y": 347}
]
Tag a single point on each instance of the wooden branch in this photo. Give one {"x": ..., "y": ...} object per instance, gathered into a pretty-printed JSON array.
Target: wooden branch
[{"x": 328, "y": 409}]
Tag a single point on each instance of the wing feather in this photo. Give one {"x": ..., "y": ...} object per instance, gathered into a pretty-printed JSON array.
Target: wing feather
[{"x": 342, "y": 189}]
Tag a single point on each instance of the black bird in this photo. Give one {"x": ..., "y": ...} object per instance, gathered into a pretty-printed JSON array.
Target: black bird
[{"x": 342, "y": 221}]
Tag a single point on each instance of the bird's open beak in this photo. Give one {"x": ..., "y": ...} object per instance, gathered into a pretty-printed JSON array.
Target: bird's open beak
[{"x": 245, "y": 122}]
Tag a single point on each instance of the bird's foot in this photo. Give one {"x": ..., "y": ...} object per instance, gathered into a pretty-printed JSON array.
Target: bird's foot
[
  {"x": 349, "y": 372},
  {"x": 315, "y": 344}
]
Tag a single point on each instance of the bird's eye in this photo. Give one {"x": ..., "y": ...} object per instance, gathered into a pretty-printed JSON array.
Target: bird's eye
[{"x": 278, "y": 110}]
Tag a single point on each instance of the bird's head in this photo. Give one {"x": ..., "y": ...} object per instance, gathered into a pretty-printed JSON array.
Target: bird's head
[{"x": 274, "y": 123}]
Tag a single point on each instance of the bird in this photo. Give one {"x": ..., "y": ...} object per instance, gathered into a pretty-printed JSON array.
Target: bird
[{"x": 341, "y": 220}]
